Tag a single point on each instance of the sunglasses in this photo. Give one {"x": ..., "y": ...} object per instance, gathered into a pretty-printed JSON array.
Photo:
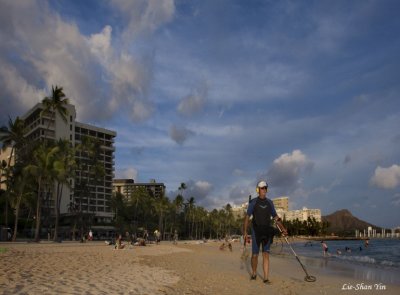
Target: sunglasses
[{"x": 264, "y": 187}]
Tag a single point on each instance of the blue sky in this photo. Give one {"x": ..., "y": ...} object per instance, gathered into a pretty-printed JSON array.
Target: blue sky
[{"x": 221, "y": 94}]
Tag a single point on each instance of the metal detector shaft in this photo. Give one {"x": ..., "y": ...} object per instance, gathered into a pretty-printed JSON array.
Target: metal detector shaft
[
  {"x": 297, "y": 257},
  {"x": 308, "y": 278}
]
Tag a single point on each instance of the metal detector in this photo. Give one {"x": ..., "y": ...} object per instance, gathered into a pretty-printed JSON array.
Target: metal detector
[{"x": 307, "y": 278}]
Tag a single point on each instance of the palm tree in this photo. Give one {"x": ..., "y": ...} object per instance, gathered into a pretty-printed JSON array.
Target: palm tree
[
  {"x": 182, "y": 188},
  {"x": 202, "y": 218},
  {"x": 3, "y": 169},
  {"x": 20, "y": 192},
  {"x": 64, "y": 167},
  {"x": 42, "y": 170},
  {"x": 11, "y": 136},
  {"x": 118, "y": 205},
  {"x": 190, "y": 208},
  {"x": 73, "y": 208},
  {"x": 56, "y": 103},
  {"x": 91, "y": 173},
  {"x": 160, "y": 206},
  {"x": 178, "y": 204},
  {"x": 214, "y": 222}
]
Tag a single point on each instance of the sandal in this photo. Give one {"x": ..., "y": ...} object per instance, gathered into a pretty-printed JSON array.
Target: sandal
[
  {"x": 267, "y": 282},
  {"x": 253, "y": 277}
]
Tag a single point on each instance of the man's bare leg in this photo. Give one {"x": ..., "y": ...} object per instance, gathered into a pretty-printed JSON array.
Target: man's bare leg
[
  {"x": 254, "y": 262},
  {"x": 266, "y": 265}
]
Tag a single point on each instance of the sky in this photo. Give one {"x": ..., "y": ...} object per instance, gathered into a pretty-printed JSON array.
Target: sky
[{"x": 219, "y": 94}]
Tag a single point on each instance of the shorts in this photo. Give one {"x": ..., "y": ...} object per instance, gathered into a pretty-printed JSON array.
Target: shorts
[{"x": 255, "y": 249}]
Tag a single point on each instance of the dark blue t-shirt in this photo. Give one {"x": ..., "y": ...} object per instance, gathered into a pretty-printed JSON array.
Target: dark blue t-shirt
[{"x": 266, "y": 202}]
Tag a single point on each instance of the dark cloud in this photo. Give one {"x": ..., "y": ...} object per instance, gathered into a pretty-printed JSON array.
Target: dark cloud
[
  {"x": 137, "y": 150},
  {"x": 347, "y": 159},
  {"x": 180, "y": 134},
  {"x": 238, "y": 195}
]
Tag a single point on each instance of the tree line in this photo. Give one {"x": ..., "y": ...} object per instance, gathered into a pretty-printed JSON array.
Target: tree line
[
  {"x": 309, "y": 227},
  {"x": 139, "y": 211}
]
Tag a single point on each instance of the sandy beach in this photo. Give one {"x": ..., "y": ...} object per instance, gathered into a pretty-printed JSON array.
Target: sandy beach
[{"x": 186, "y": 268}]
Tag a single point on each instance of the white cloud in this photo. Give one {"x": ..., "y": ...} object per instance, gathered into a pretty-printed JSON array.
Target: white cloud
[
  {"x": 141, "y": 110},
  {"x": 130, "y": 173},
  {"x": 203, "y": 185},
  {"x": 100, "y": 44},
  {"x": 238, "y": 172},
  {"x": 194, "y": 103},
  {"x": 53, "y": 51},
  {"x": 219, "y": 130},
  {"x": 285, "y": 171},
  {"x": 387, "y": 178},
  {"x": 144, "y": 16},
  {"x": 199, "y": 189},
  {"x": 191, "y": 105},
  {"x": 49, "y": 52},
  {"x": 14, "y": 85}
]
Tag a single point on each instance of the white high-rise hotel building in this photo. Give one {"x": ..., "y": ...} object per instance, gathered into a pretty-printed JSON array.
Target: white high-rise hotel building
[
  {"x": 282, "y": 209},
  {"x": 41, "y": 126}
]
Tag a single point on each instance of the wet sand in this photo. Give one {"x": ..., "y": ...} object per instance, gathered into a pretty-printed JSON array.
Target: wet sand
[{"x": 186, "y": 268}]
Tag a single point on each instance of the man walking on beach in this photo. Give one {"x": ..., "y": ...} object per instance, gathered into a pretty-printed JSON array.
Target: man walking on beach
[{"x": 262, "y": 210}]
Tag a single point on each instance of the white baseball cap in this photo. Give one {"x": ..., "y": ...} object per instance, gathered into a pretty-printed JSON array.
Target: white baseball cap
[{"x": 262, "y": 184}]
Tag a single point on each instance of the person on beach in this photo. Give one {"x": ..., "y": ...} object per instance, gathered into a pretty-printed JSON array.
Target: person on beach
[
  {"x": 324, "y": 248},
  {"x": 262, "y": 209},
  {"x": 90, "y": 237},
  {"x": 175, "y": 237},
  {"x": 157, "y": 235},
  {"x": 118, "y": 243},
  {"x": 225, "y": 244}
]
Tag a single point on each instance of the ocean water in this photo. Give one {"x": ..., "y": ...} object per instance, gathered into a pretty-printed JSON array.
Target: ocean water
[{"x": 379, "y": 262}]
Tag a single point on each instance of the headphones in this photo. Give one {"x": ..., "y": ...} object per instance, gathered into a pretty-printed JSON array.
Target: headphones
[{"x": 258, "y": 188}]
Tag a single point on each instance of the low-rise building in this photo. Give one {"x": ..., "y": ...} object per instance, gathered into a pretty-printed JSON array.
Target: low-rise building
[{"x": 128, "y": 186}]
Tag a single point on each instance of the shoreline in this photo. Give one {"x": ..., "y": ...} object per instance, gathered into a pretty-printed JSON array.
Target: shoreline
[{"x": 187, "y": 268}]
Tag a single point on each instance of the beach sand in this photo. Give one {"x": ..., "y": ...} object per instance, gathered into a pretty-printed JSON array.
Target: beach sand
[{"x": 186, "y": 268}]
